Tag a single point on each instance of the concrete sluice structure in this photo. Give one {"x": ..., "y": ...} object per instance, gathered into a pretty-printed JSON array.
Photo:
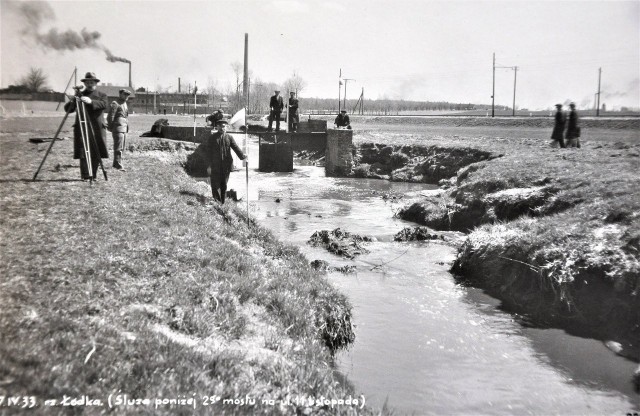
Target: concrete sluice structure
[{"x": 276, "y": 149}]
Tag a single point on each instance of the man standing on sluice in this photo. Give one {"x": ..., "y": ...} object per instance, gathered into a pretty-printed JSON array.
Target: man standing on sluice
[
  {"x": 221, "y": 161},
  {"x": 276, "y": 104},
  {"x": 293, "y": 113}
]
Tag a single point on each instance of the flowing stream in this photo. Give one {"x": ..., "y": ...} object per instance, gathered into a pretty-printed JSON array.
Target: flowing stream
[{"x": 425, "y": 344}]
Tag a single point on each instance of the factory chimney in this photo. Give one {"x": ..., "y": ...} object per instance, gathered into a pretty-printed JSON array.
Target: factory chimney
[{"x": 130, "y": 86}]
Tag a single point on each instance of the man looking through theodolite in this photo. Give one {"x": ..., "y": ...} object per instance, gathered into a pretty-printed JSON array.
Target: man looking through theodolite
[{"x": 95, "y": 103}]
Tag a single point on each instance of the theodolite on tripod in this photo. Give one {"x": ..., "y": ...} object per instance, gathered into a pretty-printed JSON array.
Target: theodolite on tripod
[{"x": 87, "y": 135}]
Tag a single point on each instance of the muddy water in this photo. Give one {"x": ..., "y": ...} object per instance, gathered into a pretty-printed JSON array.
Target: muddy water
[{"x": 424, "y": 344}]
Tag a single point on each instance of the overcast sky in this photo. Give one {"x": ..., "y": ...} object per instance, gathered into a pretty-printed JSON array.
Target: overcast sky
[{"x": 416, "y": 50}]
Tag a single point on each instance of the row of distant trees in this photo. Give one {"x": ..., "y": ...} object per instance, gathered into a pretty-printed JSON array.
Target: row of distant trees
[{"x": 260, "y": 91}]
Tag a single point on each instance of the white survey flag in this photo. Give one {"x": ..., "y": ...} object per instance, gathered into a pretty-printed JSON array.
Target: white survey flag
[{"x": 238, "y": 119}]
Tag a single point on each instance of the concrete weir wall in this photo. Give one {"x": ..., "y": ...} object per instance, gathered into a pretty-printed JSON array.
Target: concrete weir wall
[
  {"x": 338, "y": 157},
  {"x": 275, "y": 157},
  {"x": 186, "y": 133}
]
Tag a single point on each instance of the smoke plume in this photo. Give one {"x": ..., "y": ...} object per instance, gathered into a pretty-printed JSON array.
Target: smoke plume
[
  {"x": 36, "y": 13},
  {"x": 69, "y": 40},
  {"x": 112, "y": 58}
]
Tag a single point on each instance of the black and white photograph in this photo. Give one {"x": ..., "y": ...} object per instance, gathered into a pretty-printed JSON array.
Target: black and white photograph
[{"x": 320, "y": 207}]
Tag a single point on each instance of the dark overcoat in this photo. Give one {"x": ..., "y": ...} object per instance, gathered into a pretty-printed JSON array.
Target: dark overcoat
[
  {"x": 95, "y": 123},
  {"x": 573, "y": 131},
  {"x": 276, "y": 103},
  {"x": 219, "y": 148},
  {"x": 342, "y": 120},
  {"x": 558, "y": 128}
]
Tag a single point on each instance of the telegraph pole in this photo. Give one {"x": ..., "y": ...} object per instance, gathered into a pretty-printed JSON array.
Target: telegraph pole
[
  {"x": 598, "y": 104},
  {"x": 515, "y": 74},
  {"x": 339, "y": 89},
  {"x": 345, "y": 91},
  {"x": 493, "y": 92}
]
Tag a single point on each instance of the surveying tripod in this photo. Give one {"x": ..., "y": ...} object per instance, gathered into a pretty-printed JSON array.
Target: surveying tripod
[{"x": 87, "y": 135}]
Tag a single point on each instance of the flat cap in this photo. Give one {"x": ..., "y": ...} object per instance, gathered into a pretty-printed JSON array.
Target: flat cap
[
  {"x": 221, "y": 123},
  {"x": 125, "y": 91}
]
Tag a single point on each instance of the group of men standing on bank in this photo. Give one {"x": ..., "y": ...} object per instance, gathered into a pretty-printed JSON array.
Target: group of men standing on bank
[
  {"x": 219, "y": 145},
  {"x": 570, "y": 138}
]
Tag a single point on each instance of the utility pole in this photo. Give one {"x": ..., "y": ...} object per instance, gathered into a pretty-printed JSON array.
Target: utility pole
[
  {"x": 339, "y": 89},
  {"x": 345, "y": 91},
  {"x": 598, "y": 104},
  {"x": 493, "y": 91},
  {"x": 515, "y": 74}
]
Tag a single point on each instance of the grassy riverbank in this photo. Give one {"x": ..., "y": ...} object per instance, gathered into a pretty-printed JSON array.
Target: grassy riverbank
[
  {"x": 141, "y": 285},
  {"x": 554, "y": 233}
]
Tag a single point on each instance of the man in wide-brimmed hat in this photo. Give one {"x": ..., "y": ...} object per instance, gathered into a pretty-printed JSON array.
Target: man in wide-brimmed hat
[
  {"x": 276, "y": 104},
  {"x": 118, "y": 125},
  {"x": 221, "y": 161},
  {"x": 95, "y": 103}
]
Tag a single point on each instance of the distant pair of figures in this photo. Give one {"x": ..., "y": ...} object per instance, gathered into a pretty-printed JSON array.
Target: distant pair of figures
[{"x": 570, "y": 137}]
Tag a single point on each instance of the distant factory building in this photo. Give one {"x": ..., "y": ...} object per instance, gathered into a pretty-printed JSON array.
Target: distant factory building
[{"x": 174, "y": 103}]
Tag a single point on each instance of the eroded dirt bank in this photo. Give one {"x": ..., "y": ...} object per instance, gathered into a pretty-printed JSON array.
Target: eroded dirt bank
[{"x": 554, "y": 233}]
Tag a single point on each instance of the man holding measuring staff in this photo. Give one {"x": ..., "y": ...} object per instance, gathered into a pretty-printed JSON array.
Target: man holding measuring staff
[{"x": 221, "y": 161}]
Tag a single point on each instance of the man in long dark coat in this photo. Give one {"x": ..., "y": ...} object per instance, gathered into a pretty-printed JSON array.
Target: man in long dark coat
[
  {"x": 219, "y": 146},
  {"x": 95, "y": 103},
  {"x": 276, "y": 104},
  {"x": 557, "y": 135},
  {"x": 573, "y": 129}
]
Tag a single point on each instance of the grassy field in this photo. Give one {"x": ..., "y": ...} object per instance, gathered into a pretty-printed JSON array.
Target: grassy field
[{"x": 142, "y": 285}]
